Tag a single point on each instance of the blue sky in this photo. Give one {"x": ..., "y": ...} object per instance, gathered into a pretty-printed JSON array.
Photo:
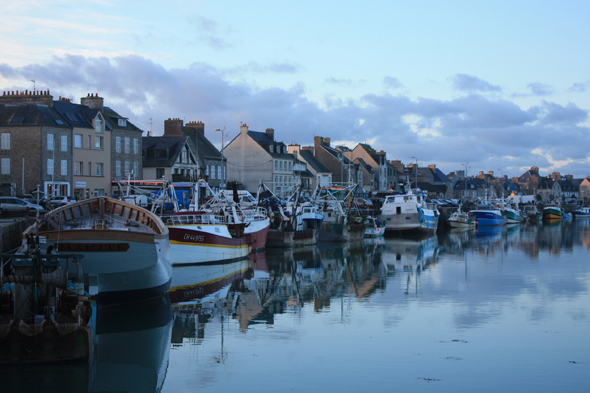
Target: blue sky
[{"x": 501, "y": 85}]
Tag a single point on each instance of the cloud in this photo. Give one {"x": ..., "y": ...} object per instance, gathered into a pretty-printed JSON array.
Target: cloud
[
  {"x": 392, "y": 83},
  {"x": 488, "y": 133},
  {"x": 208, "y": 33},
  {"x": 540, "y": 89},
  {"x": 470, "y": 83},
  {"x": 579, "y": 87}
]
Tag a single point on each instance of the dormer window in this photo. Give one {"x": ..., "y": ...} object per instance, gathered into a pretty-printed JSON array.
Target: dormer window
[
  {"x": 161, "y": 154},
  {"x": 122, "y": 123},
  {"x": 98, "y": 127},
  {"x": 271, "y": 148}
]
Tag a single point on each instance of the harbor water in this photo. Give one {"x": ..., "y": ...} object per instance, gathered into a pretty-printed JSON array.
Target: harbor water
[{"x": 497, "y": 309}]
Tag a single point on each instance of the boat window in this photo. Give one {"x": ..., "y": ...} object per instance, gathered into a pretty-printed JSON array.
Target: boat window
[
  {"x": 216, "y": 229},
  {"x": 398, "y": 210}
]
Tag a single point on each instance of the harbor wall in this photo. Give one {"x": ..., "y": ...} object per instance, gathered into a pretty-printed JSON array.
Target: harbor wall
[{"x": 12, "y": 231}]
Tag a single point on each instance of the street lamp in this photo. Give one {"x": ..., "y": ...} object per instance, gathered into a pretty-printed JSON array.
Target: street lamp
[
  {"x": 222, "y": 130},
  {"x": 416, "y": 168}
]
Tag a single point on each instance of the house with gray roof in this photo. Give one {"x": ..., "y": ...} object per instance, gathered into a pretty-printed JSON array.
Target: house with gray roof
[
  {"x": 171, "y": 157},
  {"x": 254, "y": 157},
  {"x": 36, "y": 145},
  {"x": 344, "y": 171},
  {"x": 320, "y": 175}
]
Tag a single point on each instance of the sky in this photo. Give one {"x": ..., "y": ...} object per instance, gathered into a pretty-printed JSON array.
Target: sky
[{"x": 489, "y": 85}]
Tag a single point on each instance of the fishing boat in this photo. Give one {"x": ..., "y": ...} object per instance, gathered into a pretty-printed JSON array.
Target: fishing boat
[
  {"x": 487, "y": 215},
  {"x": 409, "y": 211},
  {"x": 218, "y": 230},
  {"x": 340, "y": 224},
  {"x": 125, "y": 248},
  {"x": 581, "y": 212},
  {"x": 511, "y": 212},
  {"x": 43, "y": 318},
  {"x": 460, "y": 219},
  {"x": 374, "y": 227},
  {"x": 552, "y": 212},
  {"x": 532, "y": 213},
  {"x": 294, "y": 222}
]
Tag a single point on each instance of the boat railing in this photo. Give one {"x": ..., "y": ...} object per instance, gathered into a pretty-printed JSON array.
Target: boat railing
[
  {"x": 199, "y": 219},
  {"x": 254, "y": 213}
]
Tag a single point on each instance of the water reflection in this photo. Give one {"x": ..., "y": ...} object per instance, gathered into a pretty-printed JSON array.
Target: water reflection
[{"x": 131, "y": 349}]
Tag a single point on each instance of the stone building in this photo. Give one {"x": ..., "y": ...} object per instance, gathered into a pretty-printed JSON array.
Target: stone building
[
  {"x": 36, "y": 145},
  {"x": 106, "y": 146}
]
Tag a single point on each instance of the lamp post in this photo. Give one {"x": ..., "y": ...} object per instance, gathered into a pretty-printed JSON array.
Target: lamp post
[
  {"x": 416, "y": 168},
  {"x": 501, "y": 186},
  {"x": 222, "y": 130}
]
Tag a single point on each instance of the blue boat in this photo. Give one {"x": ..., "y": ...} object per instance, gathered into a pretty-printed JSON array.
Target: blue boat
[
  {"x": 581, "y": 212},
  {"x": 487, "y": 215}
]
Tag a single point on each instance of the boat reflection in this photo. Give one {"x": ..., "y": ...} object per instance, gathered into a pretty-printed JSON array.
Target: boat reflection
[
  {"x": 131, "y": 352},
  {"x": 408, "y": 254},
  {"x": 133, "y": 344}
]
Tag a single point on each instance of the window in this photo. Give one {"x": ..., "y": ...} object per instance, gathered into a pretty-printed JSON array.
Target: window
[
  {"x": 118, "y": 144},
  {"x": 213, "y": 172},
  {"x": 64, "y": 143},
  {"x": 99, "y": 192},
  {"x": 160, "y": 172},
  {"x": 98, "y": 125},
  {"x": 127, "y": 145},
  {"x": 98, "y": 142},
  {"x": 78, "y": 168},
  {"x": 64, "y": 167},
  {"x": 161, "y": 154},
  {"x": 135, "y": 146},
  {"x": 5, "y": 141},
  {"x": 207, "y": 171},
  {"x": 49, "y": 166},
  {"x": 6, "y": 166},
  {"x": 78, "y": 141},
  {"x": 185, "y": 156},
  {"x": 122, "y": 122},
  {"x": 117, "y": 168},
  {"x": 126, "y": 168},
  {"x": 99, "y": 167},
  {"x": 271, "y": 148},
  {"x": 89, "y": 142},
  {"x": 276, "y": 165},
  {"x": 219, "y": 173},
  {"x": 49, "y": 142},
  {"x": 135, "y": 169}
]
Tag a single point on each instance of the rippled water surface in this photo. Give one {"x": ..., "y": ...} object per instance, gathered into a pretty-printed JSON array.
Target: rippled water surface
[{"x": 502, "y": 309}]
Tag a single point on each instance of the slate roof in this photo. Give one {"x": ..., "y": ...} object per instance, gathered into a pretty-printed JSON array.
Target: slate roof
[
  {"x": 265, "y": 141},
  {"x": 362, "y": 163},
  {"x": 204, "y": 147},
  {"x": 337, "y": 153},
  {"x": 30, "y": 115},
  {"x": 80, "y": 116},
  {"x": 545, "y": 183},
  {"x": 312, "y": 161},
  {"x": 172, "y": 144},
  {"x": 372, "y": 152}
]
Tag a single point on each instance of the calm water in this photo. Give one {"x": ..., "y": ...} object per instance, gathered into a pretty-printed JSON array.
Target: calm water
[{"x": 494, "y": 310}]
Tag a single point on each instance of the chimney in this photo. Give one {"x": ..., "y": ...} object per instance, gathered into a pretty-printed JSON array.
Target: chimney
[
  {"x": 491, "y": 173},
  {"x": 173, "y": 127},
  {"x": 244, "y": 129},
  {"x": 432, "y": 166},
  {"x": 327, "y": 141},
  {"x": 92, "y": 101},
  {"x": 569, "y": 178},
  {"x": 27, "y": 97},
  {"x": 197, "y": 125},
  {"x": 270, "y": 132}
]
